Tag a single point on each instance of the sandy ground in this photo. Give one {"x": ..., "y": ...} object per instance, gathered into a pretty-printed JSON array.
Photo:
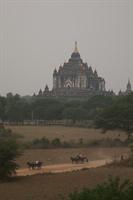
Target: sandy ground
[
  {"x": 58, "y": 160},
  {"x": 60, "y": 168},
  {"x": 58, "y": 186},
  {"x": 59, "y": 156}
]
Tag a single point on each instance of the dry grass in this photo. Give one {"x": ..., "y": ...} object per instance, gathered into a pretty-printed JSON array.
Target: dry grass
[{"x": 64, "y": 133}]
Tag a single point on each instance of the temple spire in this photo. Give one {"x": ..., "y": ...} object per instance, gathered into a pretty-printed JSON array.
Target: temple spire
[
  {"x": 76, "y": 48},
  {"x": 129, "y": 83},
  {"x": 129, "y": 87}
]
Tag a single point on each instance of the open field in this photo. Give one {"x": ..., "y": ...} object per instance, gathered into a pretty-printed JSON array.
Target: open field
[
  {"x": 54, "y": 186},
  {"x": 64, "y": 133},
  {"x": 58, "y": 186}
]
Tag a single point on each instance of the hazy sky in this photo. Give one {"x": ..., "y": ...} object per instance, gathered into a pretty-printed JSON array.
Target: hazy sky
[{"x": 38, "y": 35}]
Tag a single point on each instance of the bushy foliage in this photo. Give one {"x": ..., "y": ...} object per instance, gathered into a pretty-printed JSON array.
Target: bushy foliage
[
  {"x": 117, "y": 116},
  {"x": 2, "y": 107},
  {"x": 43, "y": 143},
  {"x": 107, "y": 112},
  {"x": 56, "y": 142},
  {"x": 8, "y": 134},
  {"x": 5, "y": 133},
  {"x": 47, "y": 109},
  {"x": 8, "y": 153},
  {"x": 17, "y": 109},
  {"x": 113, "y": 189}
]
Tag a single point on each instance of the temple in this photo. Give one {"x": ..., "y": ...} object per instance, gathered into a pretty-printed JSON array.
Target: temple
[
  {"x": 127, "y": 91},
  {"x": 75, "y": 79}
]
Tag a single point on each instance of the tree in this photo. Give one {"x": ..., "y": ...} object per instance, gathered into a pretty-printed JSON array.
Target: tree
[
  {"x": 16, "y": 108},
  {"x": 117, "y": 116},
  {"x": 2, "y": 108},
  {"x": 75, "y": 113},
  {"x": 47, "y": 109},
  {"x": 9, "y": 151},
  {"x": 111, "y": 190}
]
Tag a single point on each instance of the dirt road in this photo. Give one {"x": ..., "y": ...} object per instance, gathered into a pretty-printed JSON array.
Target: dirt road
[{"x": 60, "y": 168}]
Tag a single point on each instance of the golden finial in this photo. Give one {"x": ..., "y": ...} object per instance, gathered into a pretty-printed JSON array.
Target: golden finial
[{"x": 76, "y": 48}]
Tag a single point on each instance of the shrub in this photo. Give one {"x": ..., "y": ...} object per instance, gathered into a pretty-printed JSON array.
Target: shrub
[
  {"x": 9, "y": 151},
  {"x": 56, "y": 142},
  {"x": 111, "y": 190},
  {"x": 5, "y": 133},
  {"x": 81, "y": 141},
  {"x": 41, "y": 143},
  {"x": 45, "y": 142}
]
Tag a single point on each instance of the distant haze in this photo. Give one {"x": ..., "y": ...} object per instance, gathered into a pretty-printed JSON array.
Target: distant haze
[{"x": 38, "y": 35}]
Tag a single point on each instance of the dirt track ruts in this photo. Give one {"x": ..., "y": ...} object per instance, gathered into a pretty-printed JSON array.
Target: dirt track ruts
[{"x": 60, "y": 168}]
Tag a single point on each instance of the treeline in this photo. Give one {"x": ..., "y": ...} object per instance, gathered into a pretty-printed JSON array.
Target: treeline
[
  {"x": 118, "y": 115},
  {"x": 14, "y": 108},
  {"x": 107, "y": 112}
]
